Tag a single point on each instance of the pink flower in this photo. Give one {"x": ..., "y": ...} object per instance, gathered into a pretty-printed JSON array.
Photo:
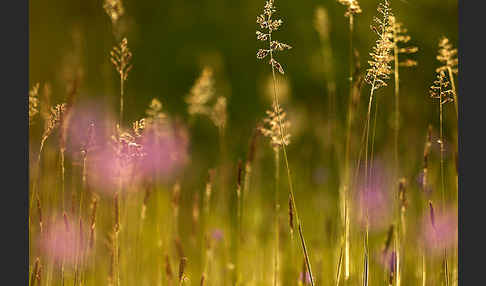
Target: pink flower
[
  {"x": 442, "y": 233},
  {"x": 165, "y": 147},
  {"x": 373, "y": 201},
  {"x": 64, "y": 241},
  {"x": 89, "y": 122}
]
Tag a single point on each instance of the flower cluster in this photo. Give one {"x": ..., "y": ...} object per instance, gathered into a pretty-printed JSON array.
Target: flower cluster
[
  {"x": 54, "y": 120},
  {"x": 271, "y": 129},
  {"x": 380, "y": 70},
  {"x": 120, "y": 57},
  {"x": 200, "y": 96},
  {"x": 447, "y": 56},
  {"x": 398, "y": 35},
  {"x": 441, "y": 88},
  {"x": 269, "y": 25}
]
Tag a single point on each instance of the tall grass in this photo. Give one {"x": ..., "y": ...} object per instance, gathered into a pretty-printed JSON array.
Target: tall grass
[{"x": 155, "y": 220}]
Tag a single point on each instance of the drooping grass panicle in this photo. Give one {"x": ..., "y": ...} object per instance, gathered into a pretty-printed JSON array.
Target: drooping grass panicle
[
  {"x": 33, "y": 102},
  {"x": 268, "y": 26},
  {"x": 121, "y": 57}
]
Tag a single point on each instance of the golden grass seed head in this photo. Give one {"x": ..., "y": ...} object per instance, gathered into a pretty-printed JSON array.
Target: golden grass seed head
[
  {"x": 441, "y": 89},
  {"x": 321, "y": 22},
  {"x": 121, "y": 57},
  {"x": 182, "y": 268},
  {"x": 33, "y": 102},
  {"x": 399, "y": 37},
  {"x": 447, "y": 56},
  {"x": 352, "y": 7},
  {"x": 271, "y": 127},
  {"x": 218, "y": 112},
  {"x": 114, "y": 9},
  {"x": 379, "y": 71},
  {"x": 270, "y": 25},
  {"x": 201, "y": 93}
]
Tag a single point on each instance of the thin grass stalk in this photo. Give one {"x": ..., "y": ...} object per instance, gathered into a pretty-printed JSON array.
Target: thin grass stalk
[
  {"x": 397, "y": 106},
  {"x": 347, "y": 150},
  {"x": 277, "y": 208},
  {"x": 453, "y": 85},
  {"x": 373, "y": 138},
  {"x": 424, "y": 270},
  {"x": 340, "y": 261},
  {"x": 304, "y": 248},
  {"x": 368, "y": 129}
]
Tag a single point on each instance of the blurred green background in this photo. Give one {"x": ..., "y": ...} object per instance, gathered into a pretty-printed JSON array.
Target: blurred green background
[{"x": 172, "y": 41}]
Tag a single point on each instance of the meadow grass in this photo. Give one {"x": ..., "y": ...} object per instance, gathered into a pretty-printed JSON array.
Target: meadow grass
[{"x": 117, "y": 201}]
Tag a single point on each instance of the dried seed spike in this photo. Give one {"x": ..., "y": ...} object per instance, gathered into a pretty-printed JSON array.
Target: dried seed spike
[
  {"x": 182, "y": 268},
  {"x": 291, "y": 215},
  {"x": 432, "y": 214},
  {"x": 66, "y": 222},
  {"x": 116, "y": 207},
  {"x": 39, "y": 211},
  {"x": 388, "y": 240},
  {"x": 239, "y": 174},
  {"x": 179, "y": 248},
  {"x": 168, "y": 270},
  {"x": 402, "y": 195}
]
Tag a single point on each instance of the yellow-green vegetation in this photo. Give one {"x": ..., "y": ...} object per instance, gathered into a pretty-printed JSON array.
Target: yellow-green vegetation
[{"x": 179, "y": 171}]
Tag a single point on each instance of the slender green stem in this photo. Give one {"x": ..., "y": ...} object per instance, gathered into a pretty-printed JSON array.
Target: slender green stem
[
  {"x": 277, "y": 207},
  {"x": 347, "y": 152},
  {"x": 451, "y": 76},
  {"x": 121, "y": 98},
  {"x": 397, "y": 107},
  {"x": 304, "y": 248},
  {"x": 367, "y": 130}
]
